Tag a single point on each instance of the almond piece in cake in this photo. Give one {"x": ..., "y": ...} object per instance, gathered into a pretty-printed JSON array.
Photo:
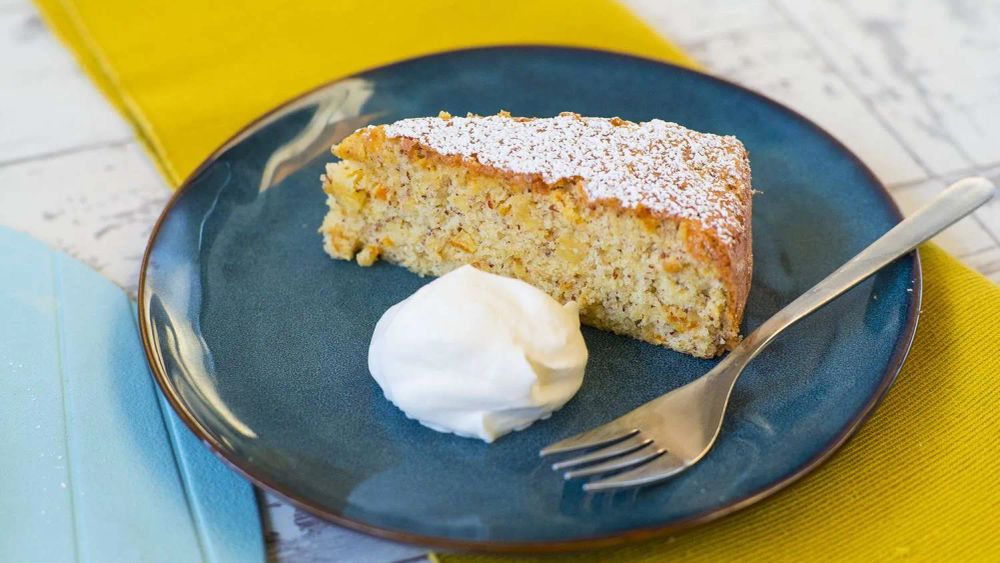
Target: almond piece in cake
[{"x": 645, "y": 225}]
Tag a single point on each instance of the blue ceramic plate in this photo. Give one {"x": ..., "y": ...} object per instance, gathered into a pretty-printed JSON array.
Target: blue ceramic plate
[{"x": 259, "y": 340}]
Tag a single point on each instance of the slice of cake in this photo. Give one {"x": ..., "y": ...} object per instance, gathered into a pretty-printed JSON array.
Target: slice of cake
[{"x": 645, "y": 225}]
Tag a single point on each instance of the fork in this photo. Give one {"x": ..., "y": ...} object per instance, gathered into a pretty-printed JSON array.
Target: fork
[{"x": 673, "y": 432}]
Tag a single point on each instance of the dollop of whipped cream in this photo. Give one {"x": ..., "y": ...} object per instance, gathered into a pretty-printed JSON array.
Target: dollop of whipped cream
[{"x": 478, "y": 354}]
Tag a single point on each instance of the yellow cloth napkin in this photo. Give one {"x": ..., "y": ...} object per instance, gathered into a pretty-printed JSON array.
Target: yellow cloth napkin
[{"x": 921, "y": 479}]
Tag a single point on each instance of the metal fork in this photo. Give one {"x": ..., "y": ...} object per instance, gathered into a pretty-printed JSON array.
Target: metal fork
[{"x": 673, "y": 432}]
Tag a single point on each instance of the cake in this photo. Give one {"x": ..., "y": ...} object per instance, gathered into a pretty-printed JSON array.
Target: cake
[{"x": 645, "y": 225}]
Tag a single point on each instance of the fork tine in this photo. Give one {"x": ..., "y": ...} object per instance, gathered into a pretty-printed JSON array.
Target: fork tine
[
  {"x": 627, "y": 445},
  {"x": 661, "y": 468},
  {"x": 639, "y": 457},
  {"x": 600, "y": 436}
]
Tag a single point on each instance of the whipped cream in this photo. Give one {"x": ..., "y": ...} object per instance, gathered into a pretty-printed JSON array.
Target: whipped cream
[{"x": 478, "y": 354}]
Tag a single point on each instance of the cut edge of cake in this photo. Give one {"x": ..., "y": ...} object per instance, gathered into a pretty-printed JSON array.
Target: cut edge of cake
[{"x": 646, "y": 225}]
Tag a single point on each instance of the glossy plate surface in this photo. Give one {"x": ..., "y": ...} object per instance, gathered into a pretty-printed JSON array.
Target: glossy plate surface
[{"x": 260, "y": 341}]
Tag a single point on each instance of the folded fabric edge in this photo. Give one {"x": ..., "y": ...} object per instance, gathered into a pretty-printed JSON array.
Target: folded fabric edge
[{"x": 61, "y": 17}]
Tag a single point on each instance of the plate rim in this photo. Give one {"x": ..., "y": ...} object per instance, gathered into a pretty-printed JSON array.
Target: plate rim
[{"x": 157, "y": 370}]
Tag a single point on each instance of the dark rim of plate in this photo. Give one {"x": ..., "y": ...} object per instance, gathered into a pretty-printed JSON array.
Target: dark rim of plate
[{"x": 247, "y": 470}]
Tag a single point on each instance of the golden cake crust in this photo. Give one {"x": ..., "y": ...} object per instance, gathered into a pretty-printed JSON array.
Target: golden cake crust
[{"x": 716, "y": 227}]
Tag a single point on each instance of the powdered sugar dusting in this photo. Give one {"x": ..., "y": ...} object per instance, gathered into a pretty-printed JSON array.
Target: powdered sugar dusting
[{"x": 657, "y": 165}]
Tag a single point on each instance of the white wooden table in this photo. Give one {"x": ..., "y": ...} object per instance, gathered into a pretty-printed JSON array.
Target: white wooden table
[{"x": 912, "y": 87}]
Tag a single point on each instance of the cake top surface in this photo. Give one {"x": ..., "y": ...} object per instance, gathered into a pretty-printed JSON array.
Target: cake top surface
[{"x": 658, "y": 165}]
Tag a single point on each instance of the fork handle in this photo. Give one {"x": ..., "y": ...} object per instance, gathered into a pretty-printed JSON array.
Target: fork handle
[{"x": 954, "y": 203}]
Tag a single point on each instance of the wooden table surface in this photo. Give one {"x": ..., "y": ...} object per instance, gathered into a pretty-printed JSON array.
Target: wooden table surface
[{"x": 913, "y": 87}]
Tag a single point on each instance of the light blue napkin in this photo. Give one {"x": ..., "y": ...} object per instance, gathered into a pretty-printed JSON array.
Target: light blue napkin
[{"x": 94, "y": 465}]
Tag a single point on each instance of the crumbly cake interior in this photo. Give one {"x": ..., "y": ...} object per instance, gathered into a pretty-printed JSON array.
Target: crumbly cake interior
[{"x": 632, "y": 272}]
